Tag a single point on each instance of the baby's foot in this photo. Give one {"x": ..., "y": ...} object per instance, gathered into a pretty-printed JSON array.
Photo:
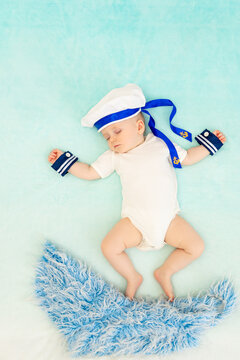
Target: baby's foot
[
  {"x": 133, "y": 285},
  {"x": 164, "y": 280}
]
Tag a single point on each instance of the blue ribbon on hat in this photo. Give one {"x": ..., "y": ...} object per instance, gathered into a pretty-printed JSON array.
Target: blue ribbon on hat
[{"x": 151, "y": 104}]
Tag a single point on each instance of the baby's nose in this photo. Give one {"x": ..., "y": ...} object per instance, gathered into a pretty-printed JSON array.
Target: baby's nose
[{"x": 113, "y": 138}]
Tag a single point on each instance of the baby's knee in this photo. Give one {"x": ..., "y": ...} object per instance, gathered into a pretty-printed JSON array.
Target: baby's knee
[
  {"x": 105, "y": 247},
  {"x": 111, "y": 246},
  {"x": 198, "y": 248}
]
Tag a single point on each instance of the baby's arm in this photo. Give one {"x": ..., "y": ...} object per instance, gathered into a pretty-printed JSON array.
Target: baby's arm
[
  {"x": 84, "y": 171},
  {"x": 197, "y": 153},
  {"x": 79, "y": 169}
]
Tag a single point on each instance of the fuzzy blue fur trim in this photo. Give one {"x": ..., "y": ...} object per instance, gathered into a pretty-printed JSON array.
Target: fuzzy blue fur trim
[{"x": 97, "y": 319}]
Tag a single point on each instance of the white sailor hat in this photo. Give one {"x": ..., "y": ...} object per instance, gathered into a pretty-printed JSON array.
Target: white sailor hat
[
  {"x": 125, "y": 102},
  {"x": 118, "y": 105}
]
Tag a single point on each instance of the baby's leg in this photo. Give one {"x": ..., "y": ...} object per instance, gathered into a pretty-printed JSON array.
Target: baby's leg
[
  {"x": 122, "y": 236},
  {"x": 190, "y": 246}
]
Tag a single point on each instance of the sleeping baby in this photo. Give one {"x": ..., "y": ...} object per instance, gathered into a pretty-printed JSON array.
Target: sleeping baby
[{"x": 150, "y": 210}]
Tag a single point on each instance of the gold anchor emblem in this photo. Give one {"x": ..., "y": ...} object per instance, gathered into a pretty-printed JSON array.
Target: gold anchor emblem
[
  {"x": 184, "y": 134},
  {"x": 175, "y": 160}
]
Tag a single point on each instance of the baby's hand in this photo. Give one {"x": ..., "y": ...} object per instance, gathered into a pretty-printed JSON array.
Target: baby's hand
[
  {"x": 220, "y": 135},
  {"x": 54, "y": 155}
]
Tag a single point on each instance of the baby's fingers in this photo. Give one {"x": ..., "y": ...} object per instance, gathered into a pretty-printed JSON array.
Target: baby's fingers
[
  {"x": 220, "y": 136},
  {"x": 52, "y": 157}
]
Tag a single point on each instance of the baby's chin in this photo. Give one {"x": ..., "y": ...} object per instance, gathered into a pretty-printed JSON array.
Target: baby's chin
[
  {"x": 121, "y": 149},
  {"x": 118, "y": 149}
]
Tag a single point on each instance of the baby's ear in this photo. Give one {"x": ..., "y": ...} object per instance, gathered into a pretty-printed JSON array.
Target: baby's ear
[{"x": 140, "y": 126}]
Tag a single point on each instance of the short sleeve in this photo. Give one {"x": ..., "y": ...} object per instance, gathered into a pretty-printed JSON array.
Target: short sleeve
[
  {"x": 181, "y": 152},
  {"x": 104, "y": 165}
]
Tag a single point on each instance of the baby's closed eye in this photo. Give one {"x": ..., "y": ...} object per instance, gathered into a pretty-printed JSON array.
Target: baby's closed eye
[{"x": 116, "y": 132}]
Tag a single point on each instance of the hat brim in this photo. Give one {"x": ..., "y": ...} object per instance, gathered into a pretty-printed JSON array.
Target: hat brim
[{"x": 116, "y": 121}]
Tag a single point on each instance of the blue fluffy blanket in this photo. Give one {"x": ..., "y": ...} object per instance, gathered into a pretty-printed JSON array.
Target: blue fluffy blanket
[{"x": 96, "y": 319}]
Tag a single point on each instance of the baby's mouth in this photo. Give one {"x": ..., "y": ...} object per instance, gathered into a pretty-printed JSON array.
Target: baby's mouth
[{"x": 116, "y": 146}]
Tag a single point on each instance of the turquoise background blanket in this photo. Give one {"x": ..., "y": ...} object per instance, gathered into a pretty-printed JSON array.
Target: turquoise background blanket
[{"x": 58, "y": 58}]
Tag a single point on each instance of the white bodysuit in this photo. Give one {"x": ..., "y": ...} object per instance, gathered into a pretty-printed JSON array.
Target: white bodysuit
[{"x": 149, "y": 187}]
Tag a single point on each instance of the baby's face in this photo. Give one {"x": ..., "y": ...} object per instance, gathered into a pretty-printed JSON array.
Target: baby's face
[{"x": 125, "y": 135}]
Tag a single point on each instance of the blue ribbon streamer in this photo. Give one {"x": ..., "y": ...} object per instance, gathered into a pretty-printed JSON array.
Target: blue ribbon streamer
[
  {"x": 181, "y": 132},
  {"x": 165, "y": 102}
]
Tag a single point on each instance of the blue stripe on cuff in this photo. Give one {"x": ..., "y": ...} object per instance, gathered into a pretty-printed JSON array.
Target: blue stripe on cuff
[
  {"x": 68, "y": 165},
  {"x": 210, "y": 141},
  {"x": 63, "y": 163},
  {"x": 205, "y": 144}
]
